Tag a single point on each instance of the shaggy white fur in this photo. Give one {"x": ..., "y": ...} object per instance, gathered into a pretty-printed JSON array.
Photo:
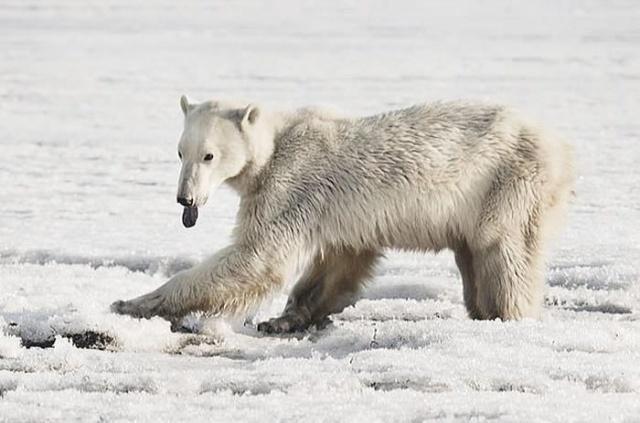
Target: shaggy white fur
[{"x": 470, "y": 177}]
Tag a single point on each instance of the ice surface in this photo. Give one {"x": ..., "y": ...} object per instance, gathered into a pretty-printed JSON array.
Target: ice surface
[{"x": 89, "y": 120}]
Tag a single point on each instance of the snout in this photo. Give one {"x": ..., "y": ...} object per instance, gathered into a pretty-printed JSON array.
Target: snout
[{"x": 187, "y": 202}]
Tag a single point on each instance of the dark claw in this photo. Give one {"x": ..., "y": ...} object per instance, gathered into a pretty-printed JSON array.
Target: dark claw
[
  {"x": 285, "y": 324},
  {"x": 117, "y": 307},
  {"x": 127, "y": 308},
  {"x": 263, "y": 327}
]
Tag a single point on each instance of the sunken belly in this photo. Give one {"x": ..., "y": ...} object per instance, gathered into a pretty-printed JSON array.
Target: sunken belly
[
  {"x": 409, "y": 219},
  {"x": 427, "y": 222}
]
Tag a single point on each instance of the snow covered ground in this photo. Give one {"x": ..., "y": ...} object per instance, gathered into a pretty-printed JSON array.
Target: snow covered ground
[{"x": 89, "y": 120}]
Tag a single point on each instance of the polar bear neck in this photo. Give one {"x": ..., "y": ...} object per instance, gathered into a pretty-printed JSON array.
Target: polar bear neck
[
  {"x": 260, "y": 147},
  {"x": 264, "y": 142}
]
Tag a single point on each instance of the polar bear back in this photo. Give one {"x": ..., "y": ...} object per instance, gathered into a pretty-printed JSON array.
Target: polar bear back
[{"x": 415, "y": 178}]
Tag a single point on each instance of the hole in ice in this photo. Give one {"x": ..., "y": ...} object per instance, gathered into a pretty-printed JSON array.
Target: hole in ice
[
  {"x": 91, "y": 340},
  {"x": 87, "y": 340},
  {"x": 36, "y": 331}
]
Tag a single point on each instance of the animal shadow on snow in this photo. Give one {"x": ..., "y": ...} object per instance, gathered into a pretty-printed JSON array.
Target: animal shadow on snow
[{"x": 407, "y": 291}]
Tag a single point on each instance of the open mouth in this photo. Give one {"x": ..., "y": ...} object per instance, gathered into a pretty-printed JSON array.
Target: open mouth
[{"x": 189, "y": 216}]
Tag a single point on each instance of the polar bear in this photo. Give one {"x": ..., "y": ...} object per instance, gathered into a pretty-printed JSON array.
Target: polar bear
[{"x": 473, "y": 178}]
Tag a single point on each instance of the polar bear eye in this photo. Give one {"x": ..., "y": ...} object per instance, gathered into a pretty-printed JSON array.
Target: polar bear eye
[
  {"x": 208, "y": 157},
  {"x": 180, "y": 155}
]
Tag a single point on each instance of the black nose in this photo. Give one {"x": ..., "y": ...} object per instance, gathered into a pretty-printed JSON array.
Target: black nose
[{"x": 185, "y": 202}]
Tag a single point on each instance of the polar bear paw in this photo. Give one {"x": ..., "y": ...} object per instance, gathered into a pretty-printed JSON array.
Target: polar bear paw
[
  {"x": 143, "y": 307},
  {"x": 290, "y": 323}
]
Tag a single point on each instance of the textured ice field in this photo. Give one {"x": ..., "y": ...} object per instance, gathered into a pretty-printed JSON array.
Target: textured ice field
[{"x": 89, "y": 120}]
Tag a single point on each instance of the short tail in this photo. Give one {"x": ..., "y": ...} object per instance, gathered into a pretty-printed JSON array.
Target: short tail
[{"x": 561, "y": 188}]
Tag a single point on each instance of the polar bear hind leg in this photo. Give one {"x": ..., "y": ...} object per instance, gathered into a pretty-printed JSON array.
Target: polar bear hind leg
[
  {"x": 464, "y": 261},
  {"x": 509, "y": 282},
  {"x": 507, "y": 262}
]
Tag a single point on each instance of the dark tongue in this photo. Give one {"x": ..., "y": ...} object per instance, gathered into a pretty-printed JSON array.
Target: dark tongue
[{"x": 189, "y": 216}]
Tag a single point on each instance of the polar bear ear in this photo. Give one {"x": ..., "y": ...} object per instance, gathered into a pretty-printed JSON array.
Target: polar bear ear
[
  {"x": 184, "y": 104},
  {"x": 249, "y": 116}
]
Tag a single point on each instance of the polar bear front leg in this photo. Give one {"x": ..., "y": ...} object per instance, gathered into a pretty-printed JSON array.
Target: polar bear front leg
[
  {"x": 329, "y": 285},
  {"x": 160, "y": 302},
  {"x": 230, "y": 282}
]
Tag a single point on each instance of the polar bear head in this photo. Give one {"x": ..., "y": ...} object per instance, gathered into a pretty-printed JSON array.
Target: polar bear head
[{"x": 218, "y": 142}]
